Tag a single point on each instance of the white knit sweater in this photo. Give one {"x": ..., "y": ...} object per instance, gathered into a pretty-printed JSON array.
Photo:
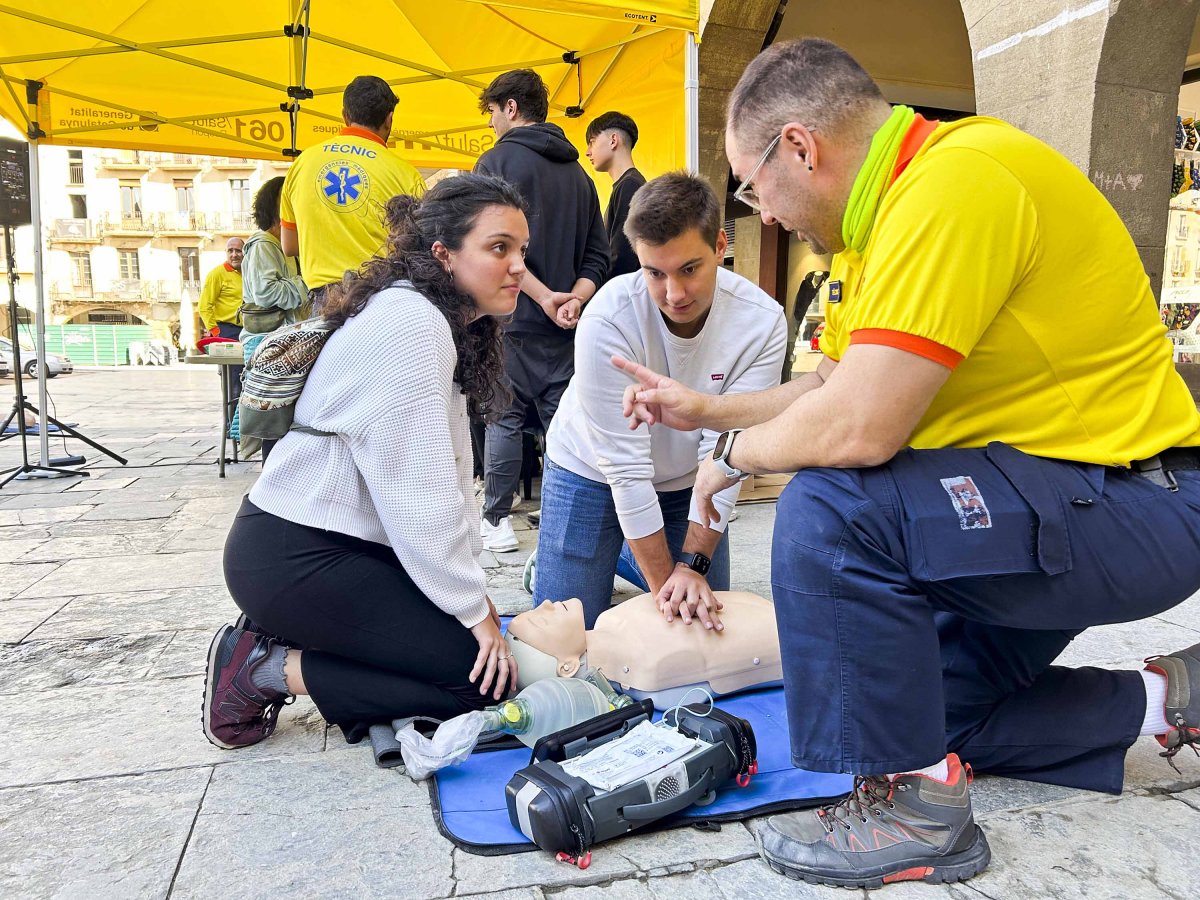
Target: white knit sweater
[{"x": 398, "y": 471}]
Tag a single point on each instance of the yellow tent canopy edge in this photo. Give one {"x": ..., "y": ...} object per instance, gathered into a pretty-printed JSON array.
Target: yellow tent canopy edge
[{"x": 682, "y": 15}]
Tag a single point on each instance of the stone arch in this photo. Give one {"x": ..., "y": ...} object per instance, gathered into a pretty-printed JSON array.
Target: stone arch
[
  {"x": 1098, "y": 81},
  {"x": 80, "y": 315}
]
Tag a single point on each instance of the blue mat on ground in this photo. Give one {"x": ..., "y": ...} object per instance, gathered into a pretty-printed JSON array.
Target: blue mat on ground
[
  {"x": 33, "y": 429},
  {"x": 469, "y": 807}
]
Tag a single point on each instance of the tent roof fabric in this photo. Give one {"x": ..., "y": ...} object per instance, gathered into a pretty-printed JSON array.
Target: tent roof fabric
[{"x": 154, "y": 75}]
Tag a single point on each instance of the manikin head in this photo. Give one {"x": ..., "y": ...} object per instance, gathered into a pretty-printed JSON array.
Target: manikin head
[{"x": 549, "y": 641}]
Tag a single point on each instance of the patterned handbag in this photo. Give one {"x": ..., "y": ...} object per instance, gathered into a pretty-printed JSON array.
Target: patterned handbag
[{"x": 275, "y": 376}]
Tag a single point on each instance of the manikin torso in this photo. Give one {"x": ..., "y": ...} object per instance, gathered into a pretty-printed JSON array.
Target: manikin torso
[{"x": 637, "y": 649}]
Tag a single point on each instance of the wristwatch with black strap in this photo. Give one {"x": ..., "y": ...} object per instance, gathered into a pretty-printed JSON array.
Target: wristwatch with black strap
[
  {"x": 697, "y": 562},
  {"x": 721, "y": 455}
]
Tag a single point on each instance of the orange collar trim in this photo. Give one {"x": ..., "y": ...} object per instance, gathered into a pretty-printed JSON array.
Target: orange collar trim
[
  {"x": 228, "y": 267},
  {"x": 352, "y": 131},
  {"x": 914, "y": 139}
]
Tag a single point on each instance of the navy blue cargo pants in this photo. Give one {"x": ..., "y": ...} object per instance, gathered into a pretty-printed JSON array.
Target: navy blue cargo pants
[{"x": 921, "y": 603}]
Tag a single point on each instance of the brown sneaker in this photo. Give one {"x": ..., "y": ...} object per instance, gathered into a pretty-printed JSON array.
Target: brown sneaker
[
  {"x": 237, "y": 713},
  {"x": 913, "y": 828},
  {"x": 1182, "y": 671}
]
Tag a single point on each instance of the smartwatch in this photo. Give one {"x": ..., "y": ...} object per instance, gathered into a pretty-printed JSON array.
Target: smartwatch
[
  {"x": 721, "y": 455},
  {"x": 697, "y": 562}
]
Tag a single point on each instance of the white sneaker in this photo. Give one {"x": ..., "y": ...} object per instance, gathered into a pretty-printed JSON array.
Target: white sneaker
[
  {"x": 516, "y": 504},
  {"x": 498, "y": 538}
]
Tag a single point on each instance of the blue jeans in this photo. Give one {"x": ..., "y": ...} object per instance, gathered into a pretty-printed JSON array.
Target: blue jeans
[
  {"x": 921, "y": 603},
  {"x": 581, "y": 546}
]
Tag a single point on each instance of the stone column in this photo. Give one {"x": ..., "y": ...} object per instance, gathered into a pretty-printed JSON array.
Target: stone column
[
  {"x": 732, "y": 34},
  {"x": 1099, "y": 81}
]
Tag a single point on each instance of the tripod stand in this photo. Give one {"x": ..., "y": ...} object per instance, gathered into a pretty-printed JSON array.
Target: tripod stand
[{"x": 21, "y": 404}]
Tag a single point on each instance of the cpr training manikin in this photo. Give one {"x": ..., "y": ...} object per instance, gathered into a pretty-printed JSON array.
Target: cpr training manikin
[
  {"x": 649, "y": 657},
  {"x": 564, "y": 671}
]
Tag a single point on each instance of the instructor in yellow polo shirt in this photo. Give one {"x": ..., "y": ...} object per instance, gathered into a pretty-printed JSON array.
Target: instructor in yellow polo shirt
[
  {"x": 995, "y": 454},
  {"x": 220, "y": 305},
  {"x": 331, "y": 209}
]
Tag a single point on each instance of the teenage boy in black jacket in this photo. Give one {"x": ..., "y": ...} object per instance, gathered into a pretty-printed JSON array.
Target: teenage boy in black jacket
[{"x": 566, "y": 263}]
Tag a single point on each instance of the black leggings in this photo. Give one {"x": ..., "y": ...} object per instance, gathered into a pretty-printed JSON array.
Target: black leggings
[{"x": 374, "y": 647}]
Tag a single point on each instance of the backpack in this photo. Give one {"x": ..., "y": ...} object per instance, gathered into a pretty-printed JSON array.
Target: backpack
[{"x": 275, "y": 376}]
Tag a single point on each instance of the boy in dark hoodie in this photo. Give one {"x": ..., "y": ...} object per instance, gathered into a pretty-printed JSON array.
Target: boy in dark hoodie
[{"x": 567, "y": 261}]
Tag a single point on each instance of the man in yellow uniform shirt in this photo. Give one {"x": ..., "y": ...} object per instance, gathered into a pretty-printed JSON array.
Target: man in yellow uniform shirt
[
  {"x": 333, "y": 200},
  {"x": 995, "y": 454},
  {"x": 220, "y": 304},
  {"x": 221, "y": 297}
]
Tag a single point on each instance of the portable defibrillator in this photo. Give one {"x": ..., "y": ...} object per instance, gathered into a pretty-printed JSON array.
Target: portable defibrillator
[{"x": 618, "y": 772}]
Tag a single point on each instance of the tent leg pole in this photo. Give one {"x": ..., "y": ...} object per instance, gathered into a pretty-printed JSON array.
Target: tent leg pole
[
  {"x": 691, "y": 91},
  {"x": 35, "y": 190}
]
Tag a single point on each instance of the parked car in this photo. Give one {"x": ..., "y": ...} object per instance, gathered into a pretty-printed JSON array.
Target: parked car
[
  {"x": 5, "y": 368},
  {"x": 55, "y": 364}
]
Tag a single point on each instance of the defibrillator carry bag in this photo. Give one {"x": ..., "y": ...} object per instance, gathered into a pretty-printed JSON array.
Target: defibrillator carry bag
[{"x": 618, "y": 772}]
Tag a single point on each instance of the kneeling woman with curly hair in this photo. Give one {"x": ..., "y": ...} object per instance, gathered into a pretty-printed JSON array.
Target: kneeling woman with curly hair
[{"x": 355, "y": 556}]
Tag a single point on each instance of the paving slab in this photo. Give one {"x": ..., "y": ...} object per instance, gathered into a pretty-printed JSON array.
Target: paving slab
[
  {"x": 43, "y": 516},
  {"x": 196, "y": 539},
  {"x": 1186, "y": 614},
  {"x": 80, "y": 732},
  {"x": 19, "y": 617},
  {"x": 138, "y": 612},
  {"x": 10, "y": 533},
  {"x": 46, "y": 501},
  {"x": 1100, "y": 849},
  {"x": 482, "y": 874},
  {"x": 91, "y": 546},
  {"x": 334, "y": 827},
  {"x": 1126, "y": 644},
  {"x": 186, "y": 654},
  {"x": 91, "y": 529},
  {"x": 1146, "y": 770},
  {"x": 107, "y": 512},
  {"x": 41, "y": 665},
  {"x": 16, "y": 548},
  {"x": 143, "y": 572},
  {"x": 18, "y": 577},
  {"x": 101, "y": 484},
  {"x": 118, "y": 837}
]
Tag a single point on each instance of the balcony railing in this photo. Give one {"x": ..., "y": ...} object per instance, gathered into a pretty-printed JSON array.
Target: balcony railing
[
  {"x": 75, "y": 173},
  {"x": 130, "y": 159},
  {"x": 178, "y": 161},
  {"x": 71, "y": 292},
  {"x": 232, "y": 223},
  {"x": 72, "y": 230},
  {"x": 134, "y": 290},
  {"x": 136, "y": 223},
  {"x": 233, "y": 162},
  {"x": 187, "y": 221}
]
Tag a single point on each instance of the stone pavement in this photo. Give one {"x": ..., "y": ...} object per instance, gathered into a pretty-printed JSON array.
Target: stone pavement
[{"x": 110, "y": 589}]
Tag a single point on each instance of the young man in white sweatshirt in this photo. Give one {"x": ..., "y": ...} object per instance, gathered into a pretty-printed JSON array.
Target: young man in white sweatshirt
[{"x": 609, "y": 493}]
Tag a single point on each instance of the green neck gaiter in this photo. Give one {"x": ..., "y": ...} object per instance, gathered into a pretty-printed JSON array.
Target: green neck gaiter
[{"x": 873, "y": 177}]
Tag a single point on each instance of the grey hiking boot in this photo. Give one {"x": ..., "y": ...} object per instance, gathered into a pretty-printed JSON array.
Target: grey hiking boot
[
  {"x": 1182, "y": 671},
  {"x": 913, "y": 828}
]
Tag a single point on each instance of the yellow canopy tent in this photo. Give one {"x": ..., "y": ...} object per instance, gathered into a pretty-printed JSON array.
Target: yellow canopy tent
[{"x": 264, "y": 78}]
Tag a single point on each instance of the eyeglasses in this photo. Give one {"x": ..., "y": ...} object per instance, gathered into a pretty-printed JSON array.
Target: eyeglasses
[{"x": 745, "y": 192}]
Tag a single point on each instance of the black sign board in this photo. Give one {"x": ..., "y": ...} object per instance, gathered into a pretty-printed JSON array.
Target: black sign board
[{"x": 15, "y": 208}]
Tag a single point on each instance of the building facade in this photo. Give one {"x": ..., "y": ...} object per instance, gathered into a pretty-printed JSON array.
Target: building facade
[{"x": 130, "y": 236}]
